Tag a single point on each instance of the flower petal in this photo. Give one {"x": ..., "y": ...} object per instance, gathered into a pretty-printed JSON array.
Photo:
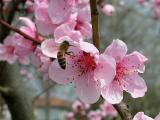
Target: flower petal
[
  {"x": 59, "y": 11},
  {"x": 50, "y": 48},
  {"x": 60, "y": 75},
  {"x": 112, "y": 93},
  {"x": 134, "y": 62},
  {"x": 45, "y": 28},
  {"x": 141, "y": 116},
  {"x": 66, "y": 30},
  {"x": 106, "y": 69},
  {"x": 88, "y": 48},
  {"x": 86, "y": 30},
  {"x": 87, "y": 88},
  {"x": 135, "y": 85},
  {"x": 28, "y": 23},
  {"x": 117, "y": 50}
]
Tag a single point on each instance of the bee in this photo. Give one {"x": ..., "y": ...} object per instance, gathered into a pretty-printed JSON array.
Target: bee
[{"x": 61, "y": 54}]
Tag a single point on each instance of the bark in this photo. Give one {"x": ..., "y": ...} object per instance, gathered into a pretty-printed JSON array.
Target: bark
[
  {"x": 16, "y": 97},
  {"x": 123, "y": 111}
]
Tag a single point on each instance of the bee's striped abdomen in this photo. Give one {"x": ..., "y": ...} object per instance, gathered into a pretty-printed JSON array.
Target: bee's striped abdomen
[{"x": 61, "y": 59}]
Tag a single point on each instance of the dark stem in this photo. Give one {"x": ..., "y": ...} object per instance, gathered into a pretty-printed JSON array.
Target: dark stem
[
  {"x": 123, "y": 111},
  {"x": 95, "y": 28},
  {"x": 11, "y": 9},
  {"x": 122, "y": 107},
  {"x": 18, "y": 31}
]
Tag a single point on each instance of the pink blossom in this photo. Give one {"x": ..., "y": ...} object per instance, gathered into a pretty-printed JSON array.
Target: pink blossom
[
  {"x": 23, "y": 49},
  {"x": 141, "y": 2},
  {"x": 15, "y": 47},
  {"x": 78, "y": 3},
  {"x": 43, "y": 21},
  {"x": 127, "y": 68},
  {"x": 108, "y": 9},
  {"x": 95, "y": 115},
  {"x": 156, "y": 8},
  {"x": 85, "y": 68},
  {"x": 29, "y": 28},
  {"x": 7, "y": 50},
  {"x": 30, "y": 7},
  {"x": 70, "y": 116},
  {"x": 77, "y": 26},
  {"x": 83, "y": 22},
  {"x": 142, "y": 116},
  {"x": 50, "y": 47},
  {"x": 23, "y": 71},
  {"x": 67, "y": 30},
  {"x": 80, "y": 106},
  {"x": 59, "y": 10},
  {"x": 108, "y": 110},
  {"x": 41, "y": 62}
]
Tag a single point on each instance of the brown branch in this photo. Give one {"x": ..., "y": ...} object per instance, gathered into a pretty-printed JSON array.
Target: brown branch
[
  {"x": 95, "y": 28},
  {"x": 123, "y": 111},
  {"x": 11, "y": 8},
  {"x": 54, "y": 102},
  {"x": 19, "y": 31},
  {"x": 122, "y": 107},
  {"x": 1, "y": 8}
]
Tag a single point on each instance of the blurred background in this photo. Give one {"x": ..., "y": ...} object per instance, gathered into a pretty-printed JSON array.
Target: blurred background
[{"x": 133, "y": 23}]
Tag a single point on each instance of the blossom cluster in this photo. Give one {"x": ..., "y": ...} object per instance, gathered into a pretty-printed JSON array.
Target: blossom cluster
[
  {"x": 94, "y": 73},
  {"x": 82, "y": 110}
]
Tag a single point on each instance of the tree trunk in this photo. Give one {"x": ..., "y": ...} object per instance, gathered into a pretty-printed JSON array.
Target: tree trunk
[{"x": 16, "y": 96}]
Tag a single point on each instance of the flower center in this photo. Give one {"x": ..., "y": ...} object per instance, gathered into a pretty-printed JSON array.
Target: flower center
[
  {"x": 120, "y": 72},
  {"x": 85, "y": 63},
  {"x": 10, "y": 49},
  {"x": 78, "y": 25}
]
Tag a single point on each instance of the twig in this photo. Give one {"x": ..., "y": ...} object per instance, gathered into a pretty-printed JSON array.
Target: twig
[
  {"x": 42, "y": 92},
  {"x": 1, "y": 8},
  {"x": 122, "y": 107},
  {"x": 19, "y": 31},
  {"x": 123, "y": 111},
  {"x": 9, "y": 16},
  {"x": 95, "y": 28},
  {"x": 54, "y": 102}
]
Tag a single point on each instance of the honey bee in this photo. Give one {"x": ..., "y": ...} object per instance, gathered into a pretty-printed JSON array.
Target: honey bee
[{"x": 61, "y": 54}]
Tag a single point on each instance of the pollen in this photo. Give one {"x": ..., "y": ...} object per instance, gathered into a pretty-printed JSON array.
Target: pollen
[{"x": 85, "y": 63}]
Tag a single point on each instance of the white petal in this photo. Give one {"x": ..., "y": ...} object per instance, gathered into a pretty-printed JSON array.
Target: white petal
[
  {"x": 113, "y": 93},
  {"x": 117, "y": 50},
  {"x": 88, "y": 89},
  {"x": 135, "y": 85}
]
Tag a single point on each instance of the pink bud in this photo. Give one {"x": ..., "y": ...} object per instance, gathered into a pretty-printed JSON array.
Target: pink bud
[{"x": 108, "y": 9}]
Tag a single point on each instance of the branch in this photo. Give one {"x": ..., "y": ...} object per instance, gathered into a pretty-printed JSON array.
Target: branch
[
  {"x": 123, "y": 111},
  {"x": 17, "y": 99},
  {"x": 95, "y": 28},
  {"x": 122, "y": 107},
  {"x": 42, "y": 92},
  {"x": 1, "y": 8},
  {"x": 9, "y": 16},
  {"x": 54, "y": 102},
  {"x": 19, "y": 31}
]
